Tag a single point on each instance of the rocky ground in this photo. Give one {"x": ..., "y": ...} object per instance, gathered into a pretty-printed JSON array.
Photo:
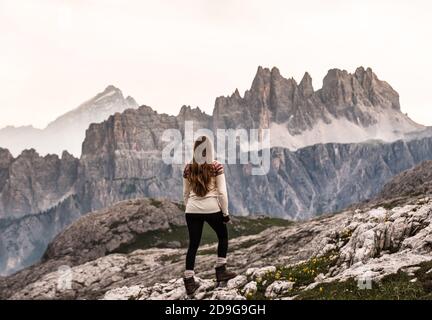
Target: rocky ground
[
  {"x": 366, "y": 250},
  {"x": 377, "y": 250}
]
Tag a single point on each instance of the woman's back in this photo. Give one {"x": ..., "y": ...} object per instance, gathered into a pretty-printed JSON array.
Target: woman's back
[{"x": 215, "y": 198}]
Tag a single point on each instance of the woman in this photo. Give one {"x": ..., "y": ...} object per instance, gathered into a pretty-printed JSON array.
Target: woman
[{"x": 206, "y": 200}]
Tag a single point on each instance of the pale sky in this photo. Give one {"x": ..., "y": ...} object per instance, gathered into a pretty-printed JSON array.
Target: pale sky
[{"x": 55, "y": 54}]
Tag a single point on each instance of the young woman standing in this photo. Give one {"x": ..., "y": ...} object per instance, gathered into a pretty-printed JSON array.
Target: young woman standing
[{"x": 206, "y": 200}]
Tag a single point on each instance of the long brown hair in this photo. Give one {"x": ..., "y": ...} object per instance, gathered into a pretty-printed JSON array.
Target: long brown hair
[{"x": 201, "y": 171}]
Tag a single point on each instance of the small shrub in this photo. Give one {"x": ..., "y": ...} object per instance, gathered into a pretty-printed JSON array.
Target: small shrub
[{"x": 155, "y": 203}]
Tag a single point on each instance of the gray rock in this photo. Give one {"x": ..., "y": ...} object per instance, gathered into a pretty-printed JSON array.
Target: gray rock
[
  {"x": 31, "y": 184},
  {"x": 153, "y": 274},
  {"x": 237, "y": 282},
  {"x": 278, "y": 288},
  {"x": 250, "y": 288},
  {"x": 259, "y": 273}
]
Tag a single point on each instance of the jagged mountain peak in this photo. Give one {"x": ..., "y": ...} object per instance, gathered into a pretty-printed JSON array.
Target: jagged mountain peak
[
  {"x": 111, "y": 87},
  {"x": 360, "y": 72},
  {"x": 236, "y": 94},
  {"x": 131, "y": 100},
  {"x": 29, "y": 153},
  {"x": 32, "y": 154},
  {"x": 191, "y": 113},
  {"x": 265, "y": 74},
  {"x": 261, "y": 71},
  {"x": 334, "y": 78},
  {"x": 66, "y": 155},
  {"x": 109, "y": 93},
  {"x": 306, "y": 77},
  {"x": 262, "y": 79},
  {"x": 361, "y": 86},
  {"x": 298, "y": 115},
  {"x": 306, "y": 86},
  {"x": 275, "y": 72},
  {"x": 4, "y": 150},
  {"x": 188, "y": 108},
  {"x": 67, "y": 132}
]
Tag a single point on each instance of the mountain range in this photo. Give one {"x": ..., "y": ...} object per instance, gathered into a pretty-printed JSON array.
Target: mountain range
[
  {"x": 297, "y": 115},
  {"x": 67, "y": 132},
  {"x": 358, "y": 104},
  {"x": 331, "y": 148},
  {"x": 135, "y": 250}
]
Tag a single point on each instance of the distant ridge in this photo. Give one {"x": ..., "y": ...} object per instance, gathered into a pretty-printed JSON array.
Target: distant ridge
[{"x": 67, "y": 131}]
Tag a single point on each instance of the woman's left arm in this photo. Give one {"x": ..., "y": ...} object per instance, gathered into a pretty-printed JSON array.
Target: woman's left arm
[{"x": 222, "y": 191}]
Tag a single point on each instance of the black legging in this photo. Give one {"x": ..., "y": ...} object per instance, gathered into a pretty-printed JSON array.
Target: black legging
[{"x": 195, "y": 223}]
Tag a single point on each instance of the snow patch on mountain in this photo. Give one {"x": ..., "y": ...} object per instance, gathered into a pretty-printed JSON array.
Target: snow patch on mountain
[
  {"x": 390, "y": 126},
  {"x": 105, "y": 95}
]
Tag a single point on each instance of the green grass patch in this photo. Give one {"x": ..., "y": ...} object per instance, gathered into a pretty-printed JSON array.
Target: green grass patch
[
  {"x": 181, "y": 206},
  {"x": 392, "y": 287},
  {"x": 390, "y": 205},
  {"x": 301, "y": 274},
  {"x": 155, "y": 203}
]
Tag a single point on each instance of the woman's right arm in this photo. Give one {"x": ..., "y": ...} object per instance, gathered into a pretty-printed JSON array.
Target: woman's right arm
[{"x": 186, "y": 190}]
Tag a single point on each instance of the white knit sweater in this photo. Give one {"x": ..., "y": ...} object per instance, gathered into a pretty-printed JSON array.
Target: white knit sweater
[{"x": 214, "y": 201}]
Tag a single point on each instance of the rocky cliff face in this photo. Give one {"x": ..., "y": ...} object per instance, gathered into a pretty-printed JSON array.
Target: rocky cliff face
[
  {"x": 298, "y": 116},
  {"x": 322, "y": 178},
  {"x": 413, "y": 182},
  {"x": 122, "y": 159},
  {"x": 30, "y": 183},
  {"x": 24, "y": 240},
  {"x": 373, "y": 251},
  {"x": 37, "y": 200},
  {"x": 67, "y": 131},
  {"x": 272, "y": 98},
  {"x": 6, "y": 159}
]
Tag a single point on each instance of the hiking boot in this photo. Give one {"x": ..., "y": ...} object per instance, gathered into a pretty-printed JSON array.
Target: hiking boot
[
  {"x": 190, "y": 285},
  {"x": 222, "y": 274}
]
